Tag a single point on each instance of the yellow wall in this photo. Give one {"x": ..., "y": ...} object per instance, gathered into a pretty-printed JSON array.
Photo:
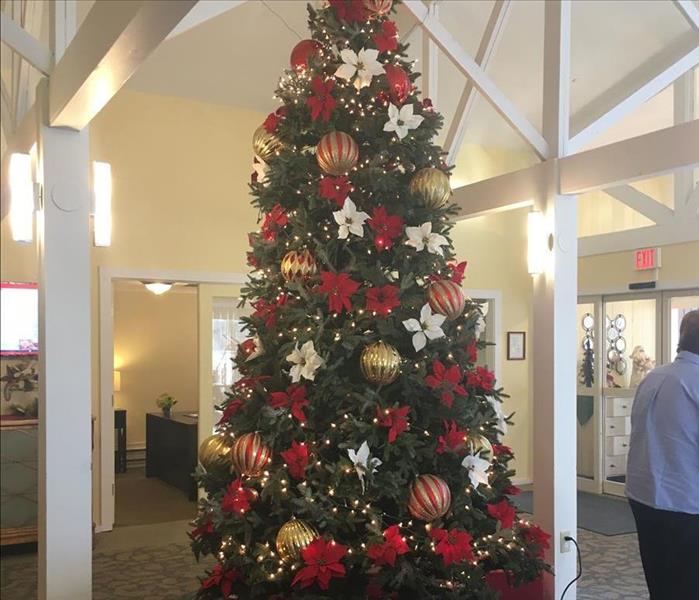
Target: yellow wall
[{"x": 155, "y": 350}]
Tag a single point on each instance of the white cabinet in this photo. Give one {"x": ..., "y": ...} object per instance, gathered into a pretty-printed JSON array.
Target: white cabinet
[
  {"x": 615, "y": 465},
  {"x": 617, "y": 426},
  {"x": 619, "y": 407},
  {"x": 617, "y": 444}
]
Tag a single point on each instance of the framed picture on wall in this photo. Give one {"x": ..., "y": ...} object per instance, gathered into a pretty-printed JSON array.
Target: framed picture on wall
[{"x": 516, "y": 345}]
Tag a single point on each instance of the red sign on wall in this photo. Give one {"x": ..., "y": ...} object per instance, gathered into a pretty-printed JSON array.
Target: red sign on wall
[{"x": 647, "y": 258}]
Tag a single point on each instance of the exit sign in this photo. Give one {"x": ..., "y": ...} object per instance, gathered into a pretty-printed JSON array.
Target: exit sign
[{"x": 647, "y": 258}]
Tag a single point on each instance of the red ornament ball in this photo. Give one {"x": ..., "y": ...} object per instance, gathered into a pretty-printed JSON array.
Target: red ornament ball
[
  {"x": 446, "y": 298},
  {"x": 398, "y": 83},
  {"x": 337, "y": 153},
  {"x": 250, "y": 455},
  {"x": 302, "y": 52},
  {"x": 378, "y": 7},
  {"x": 429, "y": 498}
]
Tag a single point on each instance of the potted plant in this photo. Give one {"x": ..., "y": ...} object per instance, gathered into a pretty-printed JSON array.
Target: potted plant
[{"x": 165, "y": 403}]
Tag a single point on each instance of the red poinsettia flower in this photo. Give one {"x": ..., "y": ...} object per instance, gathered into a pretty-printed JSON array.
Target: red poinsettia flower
[
  {"x": 205, "y": 529},
  {"x": 472, "y": 351},
  {"x": 453, "y": 440},
  {"x": 382, "y": 300},
  {"x": 386, "y": 40},
  {"x": 500, "y": 449},
  {"x": 453, "y": 546},
  {"x": 273, "y": 223},
  {"x": 387, "y": 552},
  {"x": 268, "y": 310},
  {"x": 322, "y": 103},
  {"x": 456, "y": 271},
  {"x": 233, "y": 406},
  {"x": 237, "y": 498},
  {"x": 339, "y": 287},
  {"x": 481, "y": 378},
  {"x": 448, "y": 381},
  {"x": 396, "y": 419},
  {"x": 322, "y": 563},
  {"x": 335, "y": 188},
  {"x": 536, "y": 536},
  {"x": 294, "y": 398},
  {"x": 273, "y": 118},
  {"x": 512, "y": 490},
  {"x": 351, "y": 11},
  {"x": 221, "y": 579},
  {"x": 504, "y": 512},
  {"x": 252, "y": 261},
  {"x": 296, "y": 459},
  {"x": 387, "y": 227}
]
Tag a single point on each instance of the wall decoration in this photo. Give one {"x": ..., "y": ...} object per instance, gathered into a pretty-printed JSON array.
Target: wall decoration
[
  {"x": 516, "y": 345},
  {"x": 587, "y": 369}
]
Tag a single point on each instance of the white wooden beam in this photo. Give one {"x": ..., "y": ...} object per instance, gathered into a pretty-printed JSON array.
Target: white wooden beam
[
  {"x": 63, "y": 18},
  {"x": 554, "y": 334},
  {"x": 654, "y": 235},
  {"x": 690, "y": 12},
  {"x": 683, "y": 111},
  {"x": 430, "y": 59},
  {"x": 8, "y": 110},
  {"x": 202, "y": 12},
  {"x": 115, "y": 38},
  {"x": 480, "y": 79},
  {"x": 457, "y": 129},
  {"x": 27, "y": 79},
  {"x": 642, "y": 203},
  {"x": 65, "y": 403},
  {"x": 636, "y": 158},
  {"x": 26, "y": 45},
  {"x": 642, "y": 92}
]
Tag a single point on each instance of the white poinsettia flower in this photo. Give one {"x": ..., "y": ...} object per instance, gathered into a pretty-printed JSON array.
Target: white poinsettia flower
[
  {"x": 401, "y": 121},
  {"x": 350, "y": 220},
  {"x": 362, "y": 463},
  {"x": 429, "y": 327},
  {"x": 499, "y": 413},
  {"x": 365, "y": 65},
  {"x": 306, "y": 362},
  {"x": 260, "y": 167},
  {"x": 480, "y": 327},
  {"x": 477, "y": 468},
  {"x": 422, "y": 237}
]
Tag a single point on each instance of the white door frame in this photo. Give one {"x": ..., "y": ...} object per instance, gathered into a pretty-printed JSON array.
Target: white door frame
[
  {"x": 105, "y": 418},
  {"x": 496, "y": 297}
]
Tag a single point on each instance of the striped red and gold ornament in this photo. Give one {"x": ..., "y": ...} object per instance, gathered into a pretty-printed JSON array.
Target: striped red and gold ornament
[
  {"x": 446, "y": 298},
  {"x": 378, "y": 7},
  {"x": 337, "y": 153},
  {"x": 429, "y": 498},
  {"x": 431, "y": 186},
  {"x": 299, "y": 265},
  {"x": 250, "y": 455}
]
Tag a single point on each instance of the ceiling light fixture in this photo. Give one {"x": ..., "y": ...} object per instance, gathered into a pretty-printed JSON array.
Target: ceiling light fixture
[{"x": 157, "y": 287}]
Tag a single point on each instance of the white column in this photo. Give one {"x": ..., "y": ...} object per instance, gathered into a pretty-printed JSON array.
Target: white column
[
  {"x": 65, "y": 507},
  {"x": 555, "y": 297}
]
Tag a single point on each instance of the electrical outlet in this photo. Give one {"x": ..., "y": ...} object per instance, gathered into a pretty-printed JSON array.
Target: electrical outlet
[{"x": 565, "y": 544}]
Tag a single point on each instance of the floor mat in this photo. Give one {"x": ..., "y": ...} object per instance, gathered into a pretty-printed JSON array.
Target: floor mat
[{"x": 607, "y": 515}]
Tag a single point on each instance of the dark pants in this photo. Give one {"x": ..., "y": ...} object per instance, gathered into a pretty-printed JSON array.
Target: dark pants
[{"x": 669, "y": 545}]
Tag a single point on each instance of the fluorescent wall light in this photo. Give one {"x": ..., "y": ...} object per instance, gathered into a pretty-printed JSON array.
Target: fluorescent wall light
[
  {"x": 537, "y": 242},
  {"x": 158, "y": 287},
  {"x": 102, "y": 185},
  {"x": 21, "y": 197}
]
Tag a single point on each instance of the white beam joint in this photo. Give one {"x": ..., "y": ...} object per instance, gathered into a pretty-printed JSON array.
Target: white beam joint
[
  {"x": 25, "y": 44},
  {"x": 480, "y": 79},
  {"x": 689, "y": 11}
]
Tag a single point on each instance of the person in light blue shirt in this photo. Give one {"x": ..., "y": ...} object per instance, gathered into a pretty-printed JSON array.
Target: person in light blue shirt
[{"x": 662, "y": 476}]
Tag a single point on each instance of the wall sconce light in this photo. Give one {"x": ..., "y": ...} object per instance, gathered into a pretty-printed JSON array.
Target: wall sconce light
[
  {"x": 537, "y": 242},
  {"x": 102, "y": 187},
  {"x": 117, "y": 381},
  {"x": 21, "y": 197},
  {"x": 157, "y": 287}
]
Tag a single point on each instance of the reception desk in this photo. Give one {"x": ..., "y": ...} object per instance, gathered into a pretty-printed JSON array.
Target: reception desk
[{"x": 171, "y": 450}]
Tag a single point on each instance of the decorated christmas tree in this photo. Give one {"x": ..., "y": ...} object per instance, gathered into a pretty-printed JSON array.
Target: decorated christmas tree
[{"x": 359, "y": 455}]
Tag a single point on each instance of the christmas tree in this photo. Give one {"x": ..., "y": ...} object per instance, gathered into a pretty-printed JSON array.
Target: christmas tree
[{"x": 359, "y": 455}]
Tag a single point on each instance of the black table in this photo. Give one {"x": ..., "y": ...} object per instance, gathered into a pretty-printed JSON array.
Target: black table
[
  {"x": 120, "y": 440},
  {"x": 171, "y": 450}
]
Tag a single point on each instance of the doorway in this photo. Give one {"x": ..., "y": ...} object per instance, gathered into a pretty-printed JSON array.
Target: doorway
[{"x": 621, "y": 338}]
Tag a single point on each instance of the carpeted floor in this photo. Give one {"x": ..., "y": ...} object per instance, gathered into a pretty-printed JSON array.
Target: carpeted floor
[
  {"x": 608, "y": 515},
  {"x": 154, "y": 562},
  {"x": 142, "y": 500}
]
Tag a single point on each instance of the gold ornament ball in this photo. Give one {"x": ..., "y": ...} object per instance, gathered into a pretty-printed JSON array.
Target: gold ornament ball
[
  {"x": 215, "y": 452},
  {"x": 431, "y": 186},
  {"x": 380, "y": 363},
  {"x": 294, "y": 536},
  {"x": 298, "y": 265},
  {"x": 265, "y": 144}
]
